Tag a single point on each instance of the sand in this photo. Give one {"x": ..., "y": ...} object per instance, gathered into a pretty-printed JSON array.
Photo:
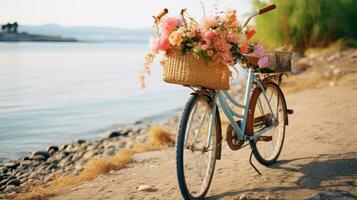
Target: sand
[{"x": 319, "y": 154}]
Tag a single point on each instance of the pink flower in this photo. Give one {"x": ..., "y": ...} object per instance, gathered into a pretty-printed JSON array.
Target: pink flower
[
  {"x": 164, "y": 44},
  {"x": 154, "y": 44},
  {"x": 233, "y": 38},
  {"x": 169, "y": 25},
  {"x": 221, "y": 45},
  {"x": 210, "y": 53},
  {"x": 227, "y": 58},
  {"x": 259, "y": 51},
  {"x": 208, "y": 35},
  {"x": 209, "y": 22},
  {"x": 263, "y": 62},
  {"x": 204, "y": 45}
]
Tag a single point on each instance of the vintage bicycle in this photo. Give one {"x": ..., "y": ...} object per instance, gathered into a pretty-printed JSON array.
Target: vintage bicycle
[{"x": 262, "y": 123}]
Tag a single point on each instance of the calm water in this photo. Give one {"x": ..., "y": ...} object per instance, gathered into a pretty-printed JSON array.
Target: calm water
[{"x": 53, "y": 93}]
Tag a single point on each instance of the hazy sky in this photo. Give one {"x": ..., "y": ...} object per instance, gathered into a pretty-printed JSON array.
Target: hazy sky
[{"x": 115, "y": 13}]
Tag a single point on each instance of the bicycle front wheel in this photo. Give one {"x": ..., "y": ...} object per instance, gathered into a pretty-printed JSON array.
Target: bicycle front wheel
[
  {"x": 195, "y": 151},
  {"x": 267, "y": 147}
]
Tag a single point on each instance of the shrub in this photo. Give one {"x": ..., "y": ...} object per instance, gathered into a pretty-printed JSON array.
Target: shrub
[{"x": 307, "y": 23}]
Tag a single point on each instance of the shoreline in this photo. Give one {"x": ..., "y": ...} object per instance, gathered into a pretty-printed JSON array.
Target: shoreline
[
  {"x": 40, "y": 167},
  {"x": 98, "y": 135}
]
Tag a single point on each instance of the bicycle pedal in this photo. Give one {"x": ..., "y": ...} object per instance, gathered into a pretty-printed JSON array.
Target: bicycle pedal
[
  {"x": 265, "y": 138},
  {"x": 290, "y": 111}
]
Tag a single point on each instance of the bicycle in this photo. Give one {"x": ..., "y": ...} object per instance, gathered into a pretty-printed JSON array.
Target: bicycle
[{"x": 262, "y": 123}]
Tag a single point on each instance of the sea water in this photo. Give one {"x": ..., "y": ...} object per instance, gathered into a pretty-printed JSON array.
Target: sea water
[{"x": 52, "y": 93}]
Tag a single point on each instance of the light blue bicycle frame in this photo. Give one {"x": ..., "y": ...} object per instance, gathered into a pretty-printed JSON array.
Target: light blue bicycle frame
[{"x": 221, "y": 96}]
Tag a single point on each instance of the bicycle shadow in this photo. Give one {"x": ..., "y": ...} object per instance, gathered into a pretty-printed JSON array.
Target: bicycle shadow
[{"x": 331, "y": 168}]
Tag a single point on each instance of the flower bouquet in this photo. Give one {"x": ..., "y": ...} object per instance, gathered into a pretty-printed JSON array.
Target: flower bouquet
[{"x": 199, "y": 53}]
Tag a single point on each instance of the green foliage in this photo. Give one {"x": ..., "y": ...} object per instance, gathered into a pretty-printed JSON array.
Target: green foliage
[{"x": 307, "y": 23}]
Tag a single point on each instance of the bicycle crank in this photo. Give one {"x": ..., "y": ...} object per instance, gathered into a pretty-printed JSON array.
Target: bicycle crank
[{"x": 233, "y": 142}]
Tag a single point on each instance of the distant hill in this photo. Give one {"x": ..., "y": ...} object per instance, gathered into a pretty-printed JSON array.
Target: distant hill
[
  {"x": 26, "y": 37},
  {"x": 95, "y": 34}
]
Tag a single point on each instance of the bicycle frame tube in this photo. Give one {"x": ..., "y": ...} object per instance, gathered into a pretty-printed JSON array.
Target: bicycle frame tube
[
  {"x": 265, "y": 95},
  {"x": 211, "y": 124},
  {"x": 230, "y": 113},
  {"x": 221, "y": 97}
]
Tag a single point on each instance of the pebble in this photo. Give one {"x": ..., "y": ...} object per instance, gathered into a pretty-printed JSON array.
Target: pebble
[
  {"x": 42, "y": 153},
  {"x": 39, "y": 158},
  {"x": 80, "y": 141},
  {"x": 26, "y": 163},
  {"x": 92, "y": 147},
  {"x": 14, "y": 182},
  {"x": 336, "y": 71},
  {"x": 52, "y": 166},
  {"x": 109, "y": 152},
  {"x": 332, "y": 84},
  {"x": 52, "y": 149},
  {"x": 331, "y": 194},
  {"x": 10, "y": 188},
  {"x": 138, "y": 122},
  {"x": 12, "y": 165},
  {"x": 243, "y": 197},
  {"x": 117, "y": 134},
  {"x": 146, "y": 188},
  {"x": 4, "y": 182},
  {"x": 89, "y": 154}
]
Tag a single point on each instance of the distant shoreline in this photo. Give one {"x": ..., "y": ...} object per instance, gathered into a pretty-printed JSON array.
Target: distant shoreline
[{"x": 26, "y": 37}]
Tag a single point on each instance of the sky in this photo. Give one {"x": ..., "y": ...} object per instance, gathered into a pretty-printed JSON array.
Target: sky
[{"x": 108, "y": 13}]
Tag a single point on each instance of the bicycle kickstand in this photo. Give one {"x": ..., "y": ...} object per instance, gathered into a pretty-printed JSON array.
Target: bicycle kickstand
[{"x": 251, "y": 163}]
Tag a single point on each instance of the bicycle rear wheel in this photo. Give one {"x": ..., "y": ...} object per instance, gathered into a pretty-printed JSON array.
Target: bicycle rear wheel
[
  {"x": 195, "y": 158},
  {"x": 267, "y": 147}
]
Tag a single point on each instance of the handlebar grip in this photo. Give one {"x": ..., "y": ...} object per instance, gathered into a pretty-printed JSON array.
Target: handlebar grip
[
  {"x": 160, "y": 15},
  {"x": 267, "y": 9}
]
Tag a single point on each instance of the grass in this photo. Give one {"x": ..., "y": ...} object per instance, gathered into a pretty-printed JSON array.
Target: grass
[{"x": 159, "y": 139}]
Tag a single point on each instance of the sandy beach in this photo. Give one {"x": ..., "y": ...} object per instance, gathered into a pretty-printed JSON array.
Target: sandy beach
[
  {"x": 319, "y": 156},
  {"x": 318, "y": 161}
]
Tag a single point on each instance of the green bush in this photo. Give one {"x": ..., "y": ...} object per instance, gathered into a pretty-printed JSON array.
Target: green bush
[{"x": 307, "y": 23}]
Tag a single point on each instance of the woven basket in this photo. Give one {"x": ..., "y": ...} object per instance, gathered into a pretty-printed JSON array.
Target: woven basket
[
  {"x": 190, "y": 71},
  {"x": 280, "y": 61}
]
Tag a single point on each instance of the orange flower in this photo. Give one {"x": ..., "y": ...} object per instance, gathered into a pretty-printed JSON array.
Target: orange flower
[
  {"x": 176, "y": 38},
  {"x": 250, "y": 33},
  {"x": 244, "y": 48}
]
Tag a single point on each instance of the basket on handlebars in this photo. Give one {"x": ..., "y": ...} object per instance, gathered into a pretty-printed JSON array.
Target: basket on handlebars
[
  {"x": 189, "y": 71},
  {"x": 279, "y": 61}
]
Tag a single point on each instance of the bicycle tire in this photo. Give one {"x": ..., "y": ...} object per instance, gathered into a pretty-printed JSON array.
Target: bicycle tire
[
  {"x": 180, "y": 147},
  {"x": 257, "y": 152}
]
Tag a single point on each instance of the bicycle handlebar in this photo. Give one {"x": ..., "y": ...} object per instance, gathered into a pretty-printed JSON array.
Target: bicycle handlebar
[
  {"x": 259, "y": 12},
  {"x": 160, "y": 15},
  {"x": 267, "y": 9}
]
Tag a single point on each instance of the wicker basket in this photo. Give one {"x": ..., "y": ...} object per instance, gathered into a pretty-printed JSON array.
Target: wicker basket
[
  {"x": 190, "y": 71},
  {"x": 280, "y": 61}
]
